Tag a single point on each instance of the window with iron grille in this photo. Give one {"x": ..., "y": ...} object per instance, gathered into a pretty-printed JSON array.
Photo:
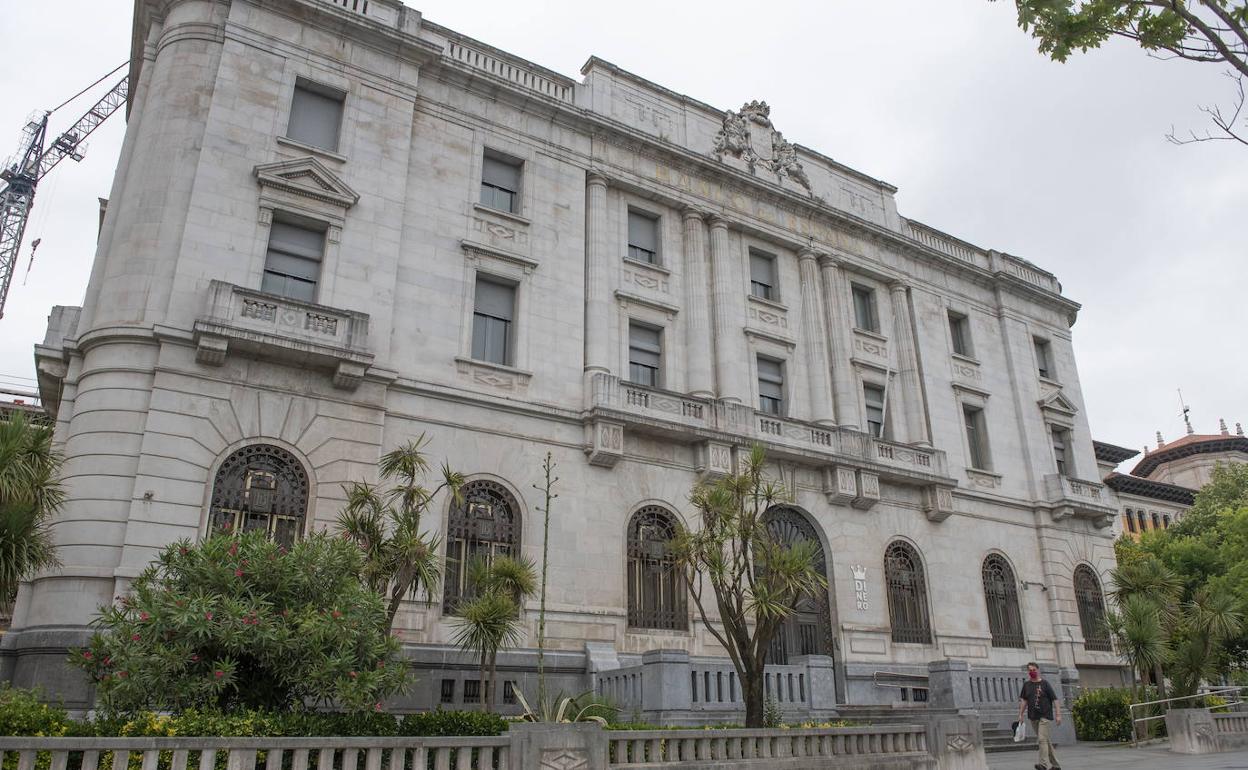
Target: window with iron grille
[
  {"x": 485, "y": 524},
  {"x": 261, "y": 487},
  {"x": 448, "y": 691},
  {"x": 656, "y": 586},
  {"x": 907, "y": 594},
  {"x": 1091, "y": 610},
  {"x": 509, "y": 692},
  {"x": 1005, "y": 622},
  {"x": 472, "y": 691},
  {"x": 643, "y": 237},
  {"x": 808, "y": 631}
]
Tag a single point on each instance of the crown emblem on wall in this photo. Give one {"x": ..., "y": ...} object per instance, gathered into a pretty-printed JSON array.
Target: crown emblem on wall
[{"x": 860, "y": 572}]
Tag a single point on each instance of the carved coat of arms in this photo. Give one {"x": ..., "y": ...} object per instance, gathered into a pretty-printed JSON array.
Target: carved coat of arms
[{"x": 749, "y": 136}]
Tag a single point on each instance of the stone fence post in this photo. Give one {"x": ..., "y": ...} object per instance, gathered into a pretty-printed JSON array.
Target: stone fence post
[
  {"x": 949, "y": 685},
  {"x": 665, "y": 685},
  {"x": 821, "y": 678},
  {"x": 556, "y": 746}
]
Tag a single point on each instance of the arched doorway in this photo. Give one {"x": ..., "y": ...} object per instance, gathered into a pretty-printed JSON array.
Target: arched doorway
[{"x": 809, "y": 630}]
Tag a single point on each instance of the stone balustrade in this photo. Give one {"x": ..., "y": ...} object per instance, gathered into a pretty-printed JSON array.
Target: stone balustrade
[
  {"x": 847, "y": 746},
  {"x": 1079, "y": 498},
  {"x": 283, "y": 329},
  {"x": 1199, "y": 731},
  {"x": 664, "y": 412},
  {"x": 525, "y": 75},
  {"x": 944, "y": 243}
]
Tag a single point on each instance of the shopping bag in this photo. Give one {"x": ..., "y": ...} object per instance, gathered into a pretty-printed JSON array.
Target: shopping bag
[{"x": 1020, "y": 732}]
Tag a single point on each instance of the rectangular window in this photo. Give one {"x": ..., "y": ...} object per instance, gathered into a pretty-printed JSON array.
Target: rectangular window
[
  {"x": 492, "y": 316},
  {"x": 1044, "y": 359},
  {"x": 1165, "y": 521},
  {"x": 874, "y": 398},
  {"x": 960, "y": 333},
  {"x": 763, "y": 275},
  {"x": 865, "y": 316},
  {"x": 500, "y": 183},
  {"x": 293, "y": 263},
  {"x": 509, "y": 692},
  {"x": 1143, "y": 522},
  {"x": 1130, "y": 520},
  {"x": 976, "y": 437},
  {"x": 645, "y": 354},
  {"x": 472, "y": 691},
  {"x": 1061, "y": 439},
  {"x": 643, "y": 237},
  {"x": 770, "y": 386},
  {"x": 315, "y": 115},
  {"x": 448, "y": 691}
]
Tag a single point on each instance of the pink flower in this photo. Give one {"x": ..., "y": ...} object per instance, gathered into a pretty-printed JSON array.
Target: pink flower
[
  {"x": 195, "y": 658},
  {"x": 207, "y": 616},
  {"x": 336, "y": 614},
  {"x": 381, "y": 664},
  {"x": 238, "y": 573},
  {"x": 121, "y": 674},
  {"x": 108, "y": 661},
  {"x": 352, "y": 674},
  {"x": 87, "y": 655},
  {"x": 233, "y": 548},
  {"x": 218, "y": 673},
  {"x": 183, "y": 551},
  {"x": 144, "y": 616},
  {"x": 134, "y": 637},
  {"x": 377, "y": 706}
]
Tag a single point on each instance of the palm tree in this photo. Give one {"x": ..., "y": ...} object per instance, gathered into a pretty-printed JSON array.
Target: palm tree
[
  {"x": 1149, "y": 586},
  {"x": 400, "y": 559},
  {"x": 490, "y": 619},
  {"x": 1139, "y": 636},
  {"x": 30, "y": 493},
  {"x": 1207, "y": 621}
]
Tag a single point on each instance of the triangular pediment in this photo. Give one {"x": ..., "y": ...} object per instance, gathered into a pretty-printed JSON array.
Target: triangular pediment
[
  {"x": 1057, "y": 403},
  {"x": 309, "y": 178}
]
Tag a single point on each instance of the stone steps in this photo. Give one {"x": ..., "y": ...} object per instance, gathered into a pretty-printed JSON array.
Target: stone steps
[{"x": 999, "y": 739}]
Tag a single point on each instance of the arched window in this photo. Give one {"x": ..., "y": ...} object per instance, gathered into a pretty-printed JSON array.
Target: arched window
[
  {"x": 656, "y": 586},
  {"x": 907, "y": 594},
  {"x": 260, "y": 487},
  {"x": 808, "y": 631},
  {"x": 1001, "y": 594},
  {"x": 484, "y": 525},
  {"x": 1091, "y": 610}
]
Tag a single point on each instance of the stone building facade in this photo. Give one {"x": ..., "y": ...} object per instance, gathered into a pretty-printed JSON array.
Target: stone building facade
[{"x": 336, "y": 225}]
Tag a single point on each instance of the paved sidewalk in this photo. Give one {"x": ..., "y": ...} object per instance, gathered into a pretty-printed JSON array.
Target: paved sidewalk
[{"x": 1101, "y": 756}]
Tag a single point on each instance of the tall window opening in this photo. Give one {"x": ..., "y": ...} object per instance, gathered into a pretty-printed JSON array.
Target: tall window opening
[
  {"x": 485, "y": 524},
  {"x": 261, "y": 487},
  {"x": 873, "y": 396},
  {"x": 1005, "y": 622},
  {"x": 645, "y": 354},
  {"x": 763, "y": 275},
  {"x": 493, "y": 311},
  {"x": 656, "y": 586},
  {"x": 770, "y": 386},
  {"x": 1091, "y": 603},
  {"x": 292, "y": 265},
  {"x": 643, "y": 237},
  {"x": 907, "y": 594},
  {"x": 500, "y": 182},
  {"x": 808, "y": 631}
]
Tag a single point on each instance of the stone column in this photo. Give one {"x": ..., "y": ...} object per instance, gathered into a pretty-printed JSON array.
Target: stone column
[
  {"x": 816, "y": 344},
  {"x": 698, "y": 343},
  {"x": 597, "y": 288},
  {"x": 731, "y": 368},
  {"x": 913, "y": 420},
  {"x": 844, "y": 386}
]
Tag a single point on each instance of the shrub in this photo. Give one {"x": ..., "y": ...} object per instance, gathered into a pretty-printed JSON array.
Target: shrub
[
  {"x": 242, "y": 622},
  {"x": 1103, "y": 715},
  {"x": 439, "y": 722},
  {"x": 22, "y": 713}
]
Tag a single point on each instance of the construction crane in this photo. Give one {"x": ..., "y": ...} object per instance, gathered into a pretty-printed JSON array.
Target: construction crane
[{"x": 33, "y": 161}]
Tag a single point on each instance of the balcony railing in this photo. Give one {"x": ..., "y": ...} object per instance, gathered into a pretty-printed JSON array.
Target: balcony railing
[
  {"x": 1077, "y": 497},
  {"x": 664, "y": 411},
  {"x": 283, "y": 329}
]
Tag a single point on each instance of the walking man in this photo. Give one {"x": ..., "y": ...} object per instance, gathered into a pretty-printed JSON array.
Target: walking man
[{"x": 1043, "y": 708}]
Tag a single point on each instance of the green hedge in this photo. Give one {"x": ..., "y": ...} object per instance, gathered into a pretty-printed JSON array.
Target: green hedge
[{"x": 1105, "y": 715}]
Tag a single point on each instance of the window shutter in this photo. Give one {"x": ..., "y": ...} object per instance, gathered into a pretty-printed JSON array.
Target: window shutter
[
  {"x": 315, "y": 118},
  {"x": 643, "y": 231},
  {"x": 297, "y": 241},
  {"x": 495, "y": 299},
  {"x": 645, "y": 345},
  {"x": 770, "y": 378},
  {"x": 500, "y": 173},
  {"x": 762, "y": 268}
]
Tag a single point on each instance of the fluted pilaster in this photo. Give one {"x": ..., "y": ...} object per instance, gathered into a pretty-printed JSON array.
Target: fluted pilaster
[
  {"x": 597, "y": 289},
  {"x": 698, "y": 344},
  {"x": 844, "y": 385},
  {"x": 816, "y": 345},
  {"x": 911, "y": 393},
  {"x": 731, "y": 368}
]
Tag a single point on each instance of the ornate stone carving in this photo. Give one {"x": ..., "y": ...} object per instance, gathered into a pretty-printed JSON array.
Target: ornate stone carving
[
  {"x": 735, "y": 138},
  {"x": 960, "y": 744},
  {"x": 564, "y": 759},
  {"x": 605, "y": 443}
]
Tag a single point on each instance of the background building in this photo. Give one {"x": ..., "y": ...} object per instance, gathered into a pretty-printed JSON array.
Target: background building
[
  {"x": 1163, "y": 485},
  {"x": 337, "y": 225}
]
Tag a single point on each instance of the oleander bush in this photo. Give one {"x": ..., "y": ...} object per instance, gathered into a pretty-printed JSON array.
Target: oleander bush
[{"x": 239, "y": 622}]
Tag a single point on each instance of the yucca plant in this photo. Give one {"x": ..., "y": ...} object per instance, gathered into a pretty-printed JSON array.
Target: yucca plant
[
  {"x": 585, "y": 707},
  {"x": 490, "y": 619},
  {"x": 30, "y": 494},
  {"x": 400, "y": 559},
  {"x": 1153, "y": 589}
]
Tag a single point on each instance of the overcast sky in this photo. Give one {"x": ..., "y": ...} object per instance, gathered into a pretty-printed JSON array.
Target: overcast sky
[{"x": 1064, "y": 164}]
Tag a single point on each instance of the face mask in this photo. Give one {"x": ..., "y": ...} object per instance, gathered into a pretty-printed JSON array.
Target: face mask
[{"x": 1034, "y": 675}]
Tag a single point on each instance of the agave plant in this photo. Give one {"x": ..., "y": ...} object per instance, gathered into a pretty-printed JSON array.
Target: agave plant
[
  {"x": 30, "y": 493},
  {"x": 565, "y": 708},
  {"x": 400, "y": 559}
]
